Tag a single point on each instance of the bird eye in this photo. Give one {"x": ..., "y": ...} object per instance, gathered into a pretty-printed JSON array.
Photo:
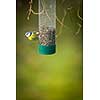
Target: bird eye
[{"x": 27, "y": 34}]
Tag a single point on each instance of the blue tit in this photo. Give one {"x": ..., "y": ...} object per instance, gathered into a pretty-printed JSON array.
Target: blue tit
[{"x": 31, "y": 35}]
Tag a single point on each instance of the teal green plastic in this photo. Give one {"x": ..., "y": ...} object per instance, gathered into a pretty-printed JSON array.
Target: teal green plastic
[{"x": 47, "y": 50}]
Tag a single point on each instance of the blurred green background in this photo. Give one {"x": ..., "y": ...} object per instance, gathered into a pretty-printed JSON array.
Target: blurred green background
[{"x": 52, "y": 77}]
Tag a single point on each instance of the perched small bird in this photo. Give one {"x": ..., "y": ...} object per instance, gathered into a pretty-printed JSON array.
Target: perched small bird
[{"x": 32, "y": 35}]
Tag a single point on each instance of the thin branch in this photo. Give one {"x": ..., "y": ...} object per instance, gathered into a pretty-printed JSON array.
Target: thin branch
[
  {"x": 60, "y": 22},
  {"x": 61, "y": 27},
  {"x": 78, "y": 15},
  {"x": 79, "y": 25},
  {"x": 30, "y": 10}
]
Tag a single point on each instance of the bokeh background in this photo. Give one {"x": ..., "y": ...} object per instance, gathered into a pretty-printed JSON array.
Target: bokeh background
[{"x": 52, "y": 77}]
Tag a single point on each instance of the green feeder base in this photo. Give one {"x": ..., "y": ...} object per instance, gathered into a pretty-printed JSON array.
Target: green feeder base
[{"x": 47, "y": 50}]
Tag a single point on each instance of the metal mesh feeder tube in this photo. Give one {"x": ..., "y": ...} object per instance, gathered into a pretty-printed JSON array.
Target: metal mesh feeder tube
[{"x": 47, "y": 27}]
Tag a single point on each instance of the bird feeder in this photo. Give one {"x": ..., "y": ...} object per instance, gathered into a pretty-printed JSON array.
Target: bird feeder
[{"x": 47, "y": 26}]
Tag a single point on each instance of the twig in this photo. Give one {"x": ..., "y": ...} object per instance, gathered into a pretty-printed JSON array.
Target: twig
[
  {"x": 30, "y": 10},
  {"x": 60, "y": 31},
  {"x": 77, "y": 32},
  {"x": 78, "y": 15},
  {"x": 60, "y": 22}
]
